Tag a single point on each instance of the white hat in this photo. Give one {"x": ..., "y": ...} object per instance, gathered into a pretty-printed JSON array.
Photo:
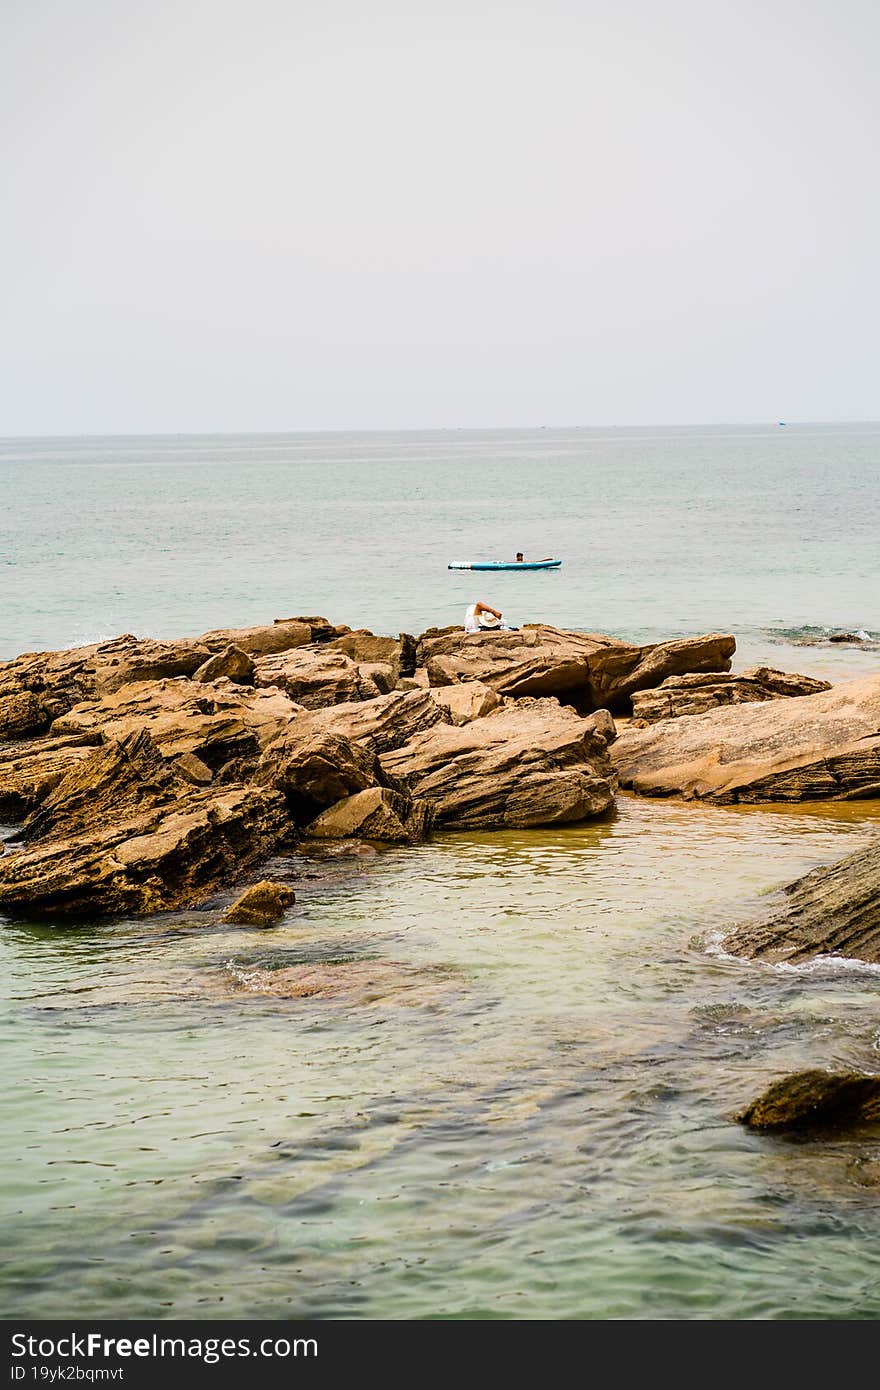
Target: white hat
[{"x": 489, "y": 620}]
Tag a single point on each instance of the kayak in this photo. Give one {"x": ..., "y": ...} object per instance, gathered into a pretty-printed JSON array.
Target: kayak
[{"x": 506, "y": 565}]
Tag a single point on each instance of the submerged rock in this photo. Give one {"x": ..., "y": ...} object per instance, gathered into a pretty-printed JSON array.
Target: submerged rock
[
  {"x": 833, "y": 911},
  {"x": 261, "y": 905},
  {"x": 359, "y": 983},
  {"x": 694, "y": 694},
  {"x": 531, "y": 763},
  {"x": 811, "y": 748},
  {"x": 816, "y": 1100}
]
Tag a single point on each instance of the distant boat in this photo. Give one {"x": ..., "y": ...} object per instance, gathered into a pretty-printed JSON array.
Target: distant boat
[
  {"x": 780, "y": 422},
  {"x": 505, "y": 565}
]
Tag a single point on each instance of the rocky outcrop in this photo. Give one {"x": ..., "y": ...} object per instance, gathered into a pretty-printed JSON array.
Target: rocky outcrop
[
  {"x": 533, "y": 763},
  {"x": 468, "y": 701},
  {"x": 364, "y": 647},
  {"x": 833, "y": 911},
  {"x": 123, "y": 833},
  {"x": 380, "y": 724},
  {"x": 283, "y": 635},
  {"x": 217, "y": 722},
  {"x": 232, "y": 663},
  {"x": 375, "y": 814},
  {"x": 29, "y": 771},
  {"x": 696, "y": 693},
  {"x": 586, "y": 670},
  {"x": 821, "y": 1100},
  {"x": 315, "y": 768},
  {"x": 261, "y": 905},
  {"x": 313, "y": 677},
  {"x": 812, "y": 748}
]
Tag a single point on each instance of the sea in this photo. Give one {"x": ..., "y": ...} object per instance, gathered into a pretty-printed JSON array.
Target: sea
[{"x": 542, "y": 1123}]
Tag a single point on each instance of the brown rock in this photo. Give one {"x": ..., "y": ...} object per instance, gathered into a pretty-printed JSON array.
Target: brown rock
[
  {"x": 123, "y": 833},
  {"x": 365, "y": 648},
  {"x": 376, "y": 814},
  {"x": 193, "y": 769},
  {"x": 532, "y": 763},
  {"x": 280, "y": 636},
  {"x": 312, "y": 676},
  {"x": 216, "y": 722},
  {"x": 22, "y": 713},
  {"x": 816, "y": 1100},
  {"x": 232, "y": 663},
  {"x": 380, "y": 724},
  {"x": 812, "y": 748},
  {"x": 833, "y": 911},
  {"x": 30, "y": 770},
  {"x": 261, "y": 905},
  {"x": 360, "y": 983},
  {"x": 375, "y": 678},
  {"x": 587, "y": 670},
  {"x": 315, "y": 768},
  {"x": 468, "y": 701},
  {"x": 694, "y": 694}
]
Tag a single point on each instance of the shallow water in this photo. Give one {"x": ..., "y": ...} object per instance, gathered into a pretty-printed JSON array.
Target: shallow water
[
  {"x": 541, "y": 1125},
  {"x": 545, "y": 1131}
]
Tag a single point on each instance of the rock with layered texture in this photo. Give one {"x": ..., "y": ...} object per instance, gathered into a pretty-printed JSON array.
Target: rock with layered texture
[
  {"x": 532, "y": 763},
  {"x": 324, "y": 755},
  {"x": 822, "y": 1100},
  {"x": 282, "y": 635},
  {"x": 833, "y": 911},
  {"x": 471, "y": 700},
  {"x": 586, "y": 670},
  {"x": 313, "y": 676},
  {"x": 217, "y": 722},
  {"x": 694, "y": 694},
  {"x": 30, "y": 770},
  {"x": 375, "y": 814},
  {"x": 364, "y": 647},
  {"x": 812, "y": 748},
  {"x": 232, "y": 663},
  {"x": 123, "y": 833}
]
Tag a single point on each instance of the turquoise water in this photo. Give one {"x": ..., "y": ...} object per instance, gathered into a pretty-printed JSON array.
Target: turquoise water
[{"x": 528, "y": 1109}]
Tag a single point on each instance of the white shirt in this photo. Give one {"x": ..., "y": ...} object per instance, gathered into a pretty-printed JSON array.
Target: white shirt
[{"x": 471, "y": 621}]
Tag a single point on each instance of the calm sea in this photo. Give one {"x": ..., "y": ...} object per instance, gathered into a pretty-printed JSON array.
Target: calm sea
[{"x": 543, "y": 1125}]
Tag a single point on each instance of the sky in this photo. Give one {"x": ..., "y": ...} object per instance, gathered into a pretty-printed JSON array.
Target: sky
[{"x": 293, "y": 215}]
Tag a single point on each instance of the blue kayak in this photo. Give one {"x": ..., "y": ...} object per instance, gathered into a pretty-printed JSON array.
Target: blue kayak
[{"x": 506, "y": 565}]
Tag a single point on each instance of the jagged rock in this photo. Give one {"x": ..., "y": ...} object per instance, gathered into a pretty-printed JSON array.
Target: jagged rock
[
  {"x": 193, "y": 769},
  {"x": 375, "y": 678},
  {"x": 468, "y": 701},
  {"x": 21, "y": 714},
  {"x": 124, "y": 833},
  {"x": 833, "y": 911},
  {"x": 315, "y": 768},
  {"x": 586, "y": 670},
  {"x": 816, "y": 1100},
  {"x": 694, "y": 694},
  {"x": 59, "y": 680},
  {"x": 376, "y": 814},
  {"x": 232, "y": 662},
  {"x": 261, "y": 905},
  {"x": 312, "y": 676},
  {"x": 365, "y": 648},
  {"x": 216, "y": 722},
  {"x": 29, "y": 771},
  {"x": 532, "y": 763},
  {"x": 380, "y": 724},
  {"x": 282, "y": 635},
  {"x": 811, "y": 748}
]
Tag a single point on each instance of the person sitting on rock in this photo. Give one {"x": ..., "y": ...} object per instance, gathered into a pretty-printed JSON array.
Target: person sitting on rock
[{"x": 480, "y": 617}]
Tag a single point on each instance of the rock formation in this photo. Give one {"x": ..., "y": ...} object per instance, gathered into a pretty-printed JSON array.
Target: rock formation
[
  {"x": 810, "y": 748},
  {"x": 531, "y": 763},
  {"x": 375, "y": 814},
  {"x": 261, "y": 905},
  {"x": 832, "y": 911},
  {"x": 694, "y": 694},
  {"x": 816, "y": 1100}
]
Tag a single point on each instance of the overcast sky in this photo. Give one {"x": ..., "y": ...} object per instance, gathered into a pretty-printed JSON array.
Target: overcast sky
[{"x": 334, "y": 214}]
